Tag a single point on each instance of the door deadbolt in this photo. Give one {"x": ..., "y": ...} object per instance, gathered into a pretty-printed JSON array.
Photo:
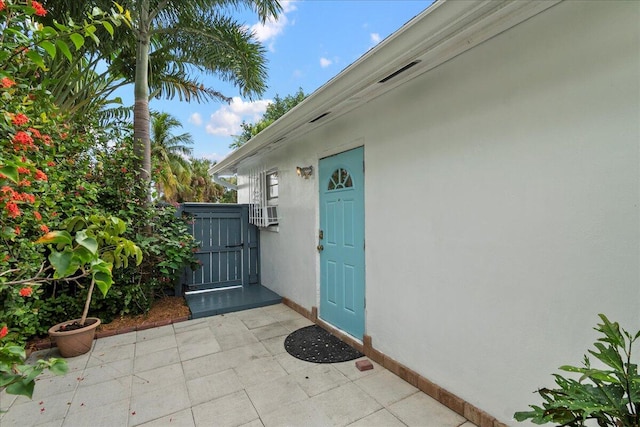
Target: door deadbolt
[{"x": 320, "y": 248}]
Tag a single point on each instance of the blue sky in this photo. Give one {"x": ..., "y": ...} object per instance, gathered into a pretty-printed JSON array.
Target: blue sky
[{"x": 312, "y": 41}]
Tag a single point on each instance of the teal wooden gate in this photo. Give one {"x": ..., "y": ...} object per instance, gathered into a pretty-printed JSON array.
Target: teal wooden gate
[{"x": 229, "y": 248}]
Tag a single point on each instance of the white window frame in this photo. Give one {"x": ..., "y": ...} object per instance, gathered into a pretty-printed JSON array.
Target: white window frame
[{"x": 263, "y": 211}]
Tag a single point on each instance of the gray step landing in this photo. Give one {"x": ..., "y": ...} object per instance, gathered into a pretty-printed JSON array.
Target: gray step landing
[{"x": 220, "y": 301}]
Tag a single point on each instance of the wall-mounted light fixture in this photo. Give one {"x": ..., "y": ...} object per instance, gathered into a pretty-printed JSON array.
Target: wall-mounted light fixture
[{"x": 304, "y": 171}]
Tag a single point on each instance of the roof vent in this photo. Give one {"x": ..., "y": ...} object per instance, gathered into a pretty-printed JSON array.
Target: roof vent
[
  {"x": 319, "y": 117},
  {"x": 401, "y": 70}
]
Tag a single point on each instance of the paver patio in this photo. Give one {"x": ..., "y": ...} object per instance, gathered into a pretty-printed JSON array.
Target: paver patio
[{"x": 226, "y": 370}]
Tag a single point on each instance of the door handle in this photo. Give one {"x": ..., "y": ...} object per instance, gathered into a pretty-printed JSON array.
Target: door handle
[{"x": 320, "y": 248}]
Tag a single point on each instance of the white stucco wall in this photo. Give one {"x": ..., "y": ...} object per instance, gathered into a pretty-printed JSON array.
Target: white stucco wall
[{"x": 502, "y": 205}]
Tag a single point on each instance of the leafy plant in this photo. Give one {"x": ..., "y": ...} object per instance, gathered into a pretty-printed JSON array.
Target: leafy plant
[
  {"x": 37, "y": 147},
  {"x": 95, "y": 249},
  {"x": 610, "y": 396},
  {"x": 18, "y": 377}
]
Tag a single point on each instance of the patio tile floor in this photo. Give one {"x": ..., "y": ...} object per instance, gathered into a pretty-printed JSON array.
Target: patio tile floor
[{"x": 225, "y": 370}]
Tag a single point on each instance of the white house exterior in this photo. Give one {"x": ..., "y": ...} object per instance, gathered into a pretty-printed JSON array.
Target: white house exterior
[{"x": 501, "y": 190}]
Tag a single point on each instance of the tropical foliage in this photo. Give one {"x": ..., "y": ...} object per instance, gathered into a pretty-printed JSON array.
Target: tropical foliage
[
  {"x": 274, "y": 111},
  {"x": 77, "y": 177},
  {"x": 610, "y": 395},
  {"x": 169, "y": 153},
  {"x": 37, "y": 146},
  {"x": 170, "y": 43}
]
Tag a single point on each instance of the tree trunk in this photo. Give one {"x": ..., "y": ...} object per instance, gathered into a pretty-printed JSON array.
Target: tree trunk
[
  {"x": 141, "y": 133},
  {"x": 87, "y": 303}
]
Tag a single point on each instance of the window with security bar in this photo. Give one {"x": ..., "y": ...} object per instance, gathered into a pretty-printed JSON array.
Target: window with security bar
[{"x": 263, "y": 188}]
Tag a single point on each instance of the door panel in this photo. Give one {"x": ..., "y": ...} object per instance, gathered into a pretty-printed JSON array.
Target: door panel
[{"x": 342, "y": 228}]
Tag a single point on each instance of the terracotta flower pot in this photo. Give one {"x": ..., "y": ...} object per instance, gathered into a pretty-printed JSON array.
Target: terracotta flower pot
[{"x": 74, "y": 342}]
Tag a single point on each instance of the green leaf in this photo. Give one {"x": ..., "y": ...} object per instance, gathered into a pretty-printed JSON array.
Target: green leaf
[
  {"x": 88, "y": 242},
  {"x": 103, "y": 281},
  {"x": 48, "y": 32},
  {"x": 55, "y": 237},
  {"x": 64, "y": 263},
  {"x": 36, "y": 59},
  {"x": 49, "y": 47},
  {"x": 58, "y": 366},
  {"x": 76, "y": 223},
  {"x": 83, "y": 255},
  {"x": 611, "y": 330},
  {"x": 64, "y": 48},
  {"x": 119, "y": 225},
  {"x": 77, "y": 40},
  {"x": 22, "y": 388},
  {"x": 6, "y": 379},
  {"x": 107, "y": 26},
  {"x": 609, "y": 356},
  {"x": 62, "y": 27},
  {"x": 10, "y": 172}
]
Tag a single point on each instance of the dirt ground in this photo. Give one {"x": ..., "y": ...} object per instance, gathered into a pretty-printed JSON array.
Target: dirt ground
[{"x": 163, "y": 309}]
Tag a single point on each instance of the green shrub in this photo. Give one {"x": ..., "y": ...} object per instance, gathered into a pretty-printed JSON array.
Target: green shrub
[{"x": 610, "y": 396}]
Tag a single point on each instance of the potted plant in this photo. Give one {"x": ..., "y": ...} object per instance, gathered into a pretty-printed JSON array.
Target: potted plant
[{"x": 88, "y": 248}]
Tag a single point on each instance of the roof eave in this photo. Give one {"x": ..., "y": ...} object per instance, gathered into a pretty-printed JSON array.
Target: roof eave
[{"x": 444, "y": 30}]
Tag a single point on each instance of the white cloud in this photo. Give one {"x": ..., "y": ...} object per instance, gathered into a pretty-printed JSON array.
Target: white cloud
[
  {"x": 272, "y": 28},
  {"x": 375, "y": 38},
  {"x": 195, "y": 119},
  {"x": 227, "y": 120},
  {"x": 213, "y": 156},
  {"x": 325, "y": 62}
]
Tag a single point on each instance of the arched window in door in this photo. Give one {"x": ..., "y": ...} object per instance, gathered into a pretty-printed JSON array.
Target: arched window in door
[{"x": 339, "y": 180}]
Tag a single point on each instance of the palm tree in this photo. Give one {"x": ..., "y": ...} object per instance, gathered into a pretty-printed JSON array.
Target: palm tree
[
  {"x": 169, "y": 155},
  {"x": 170, "y": 40}
]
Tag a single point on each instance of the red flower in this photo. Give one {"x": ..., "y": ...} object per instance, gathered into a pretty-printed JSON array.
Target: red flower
[
  {"x": 123, "y": 170},
  {"x": 12, "y": 209},
  {"x": 35, "y": 132},
  {"x": 4, "y": 331},
  {"x": 40, "y": 11},
  {"x": 26, "y": 292},
  {"x": 51, "y": 163},
  {"x": 41, "y": 176},
  {"x": 44, "y": 228},
  {"x": 24, "y": 171},
  {"x": 22, "y": 139},
  {"x": 28, "y": 198},
  {"x": 46, "y": 139},
  {"x": 2, "y": 6},
  {"x": 19, "y": 119},
  {"x": 17, "y": 230},
  {"x": 37, "y": 215},
  {"x": 7, "y": 82},
  {"x": 24, "y": 183}
]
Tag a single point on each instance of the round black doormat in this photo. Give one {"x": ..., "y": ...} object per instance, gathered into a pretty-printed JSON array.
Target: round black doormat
[{"x": 314, "y": 344}]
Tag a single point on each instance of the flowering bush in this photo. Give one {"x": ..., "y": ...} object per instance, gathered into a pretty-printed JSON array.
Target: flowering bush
[{"x": 38, "y": 151}]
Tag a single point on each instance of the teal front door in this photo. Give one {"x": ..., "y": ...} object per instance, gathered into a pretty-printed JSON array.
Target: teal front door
[{"x": 341, "y": 243}]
